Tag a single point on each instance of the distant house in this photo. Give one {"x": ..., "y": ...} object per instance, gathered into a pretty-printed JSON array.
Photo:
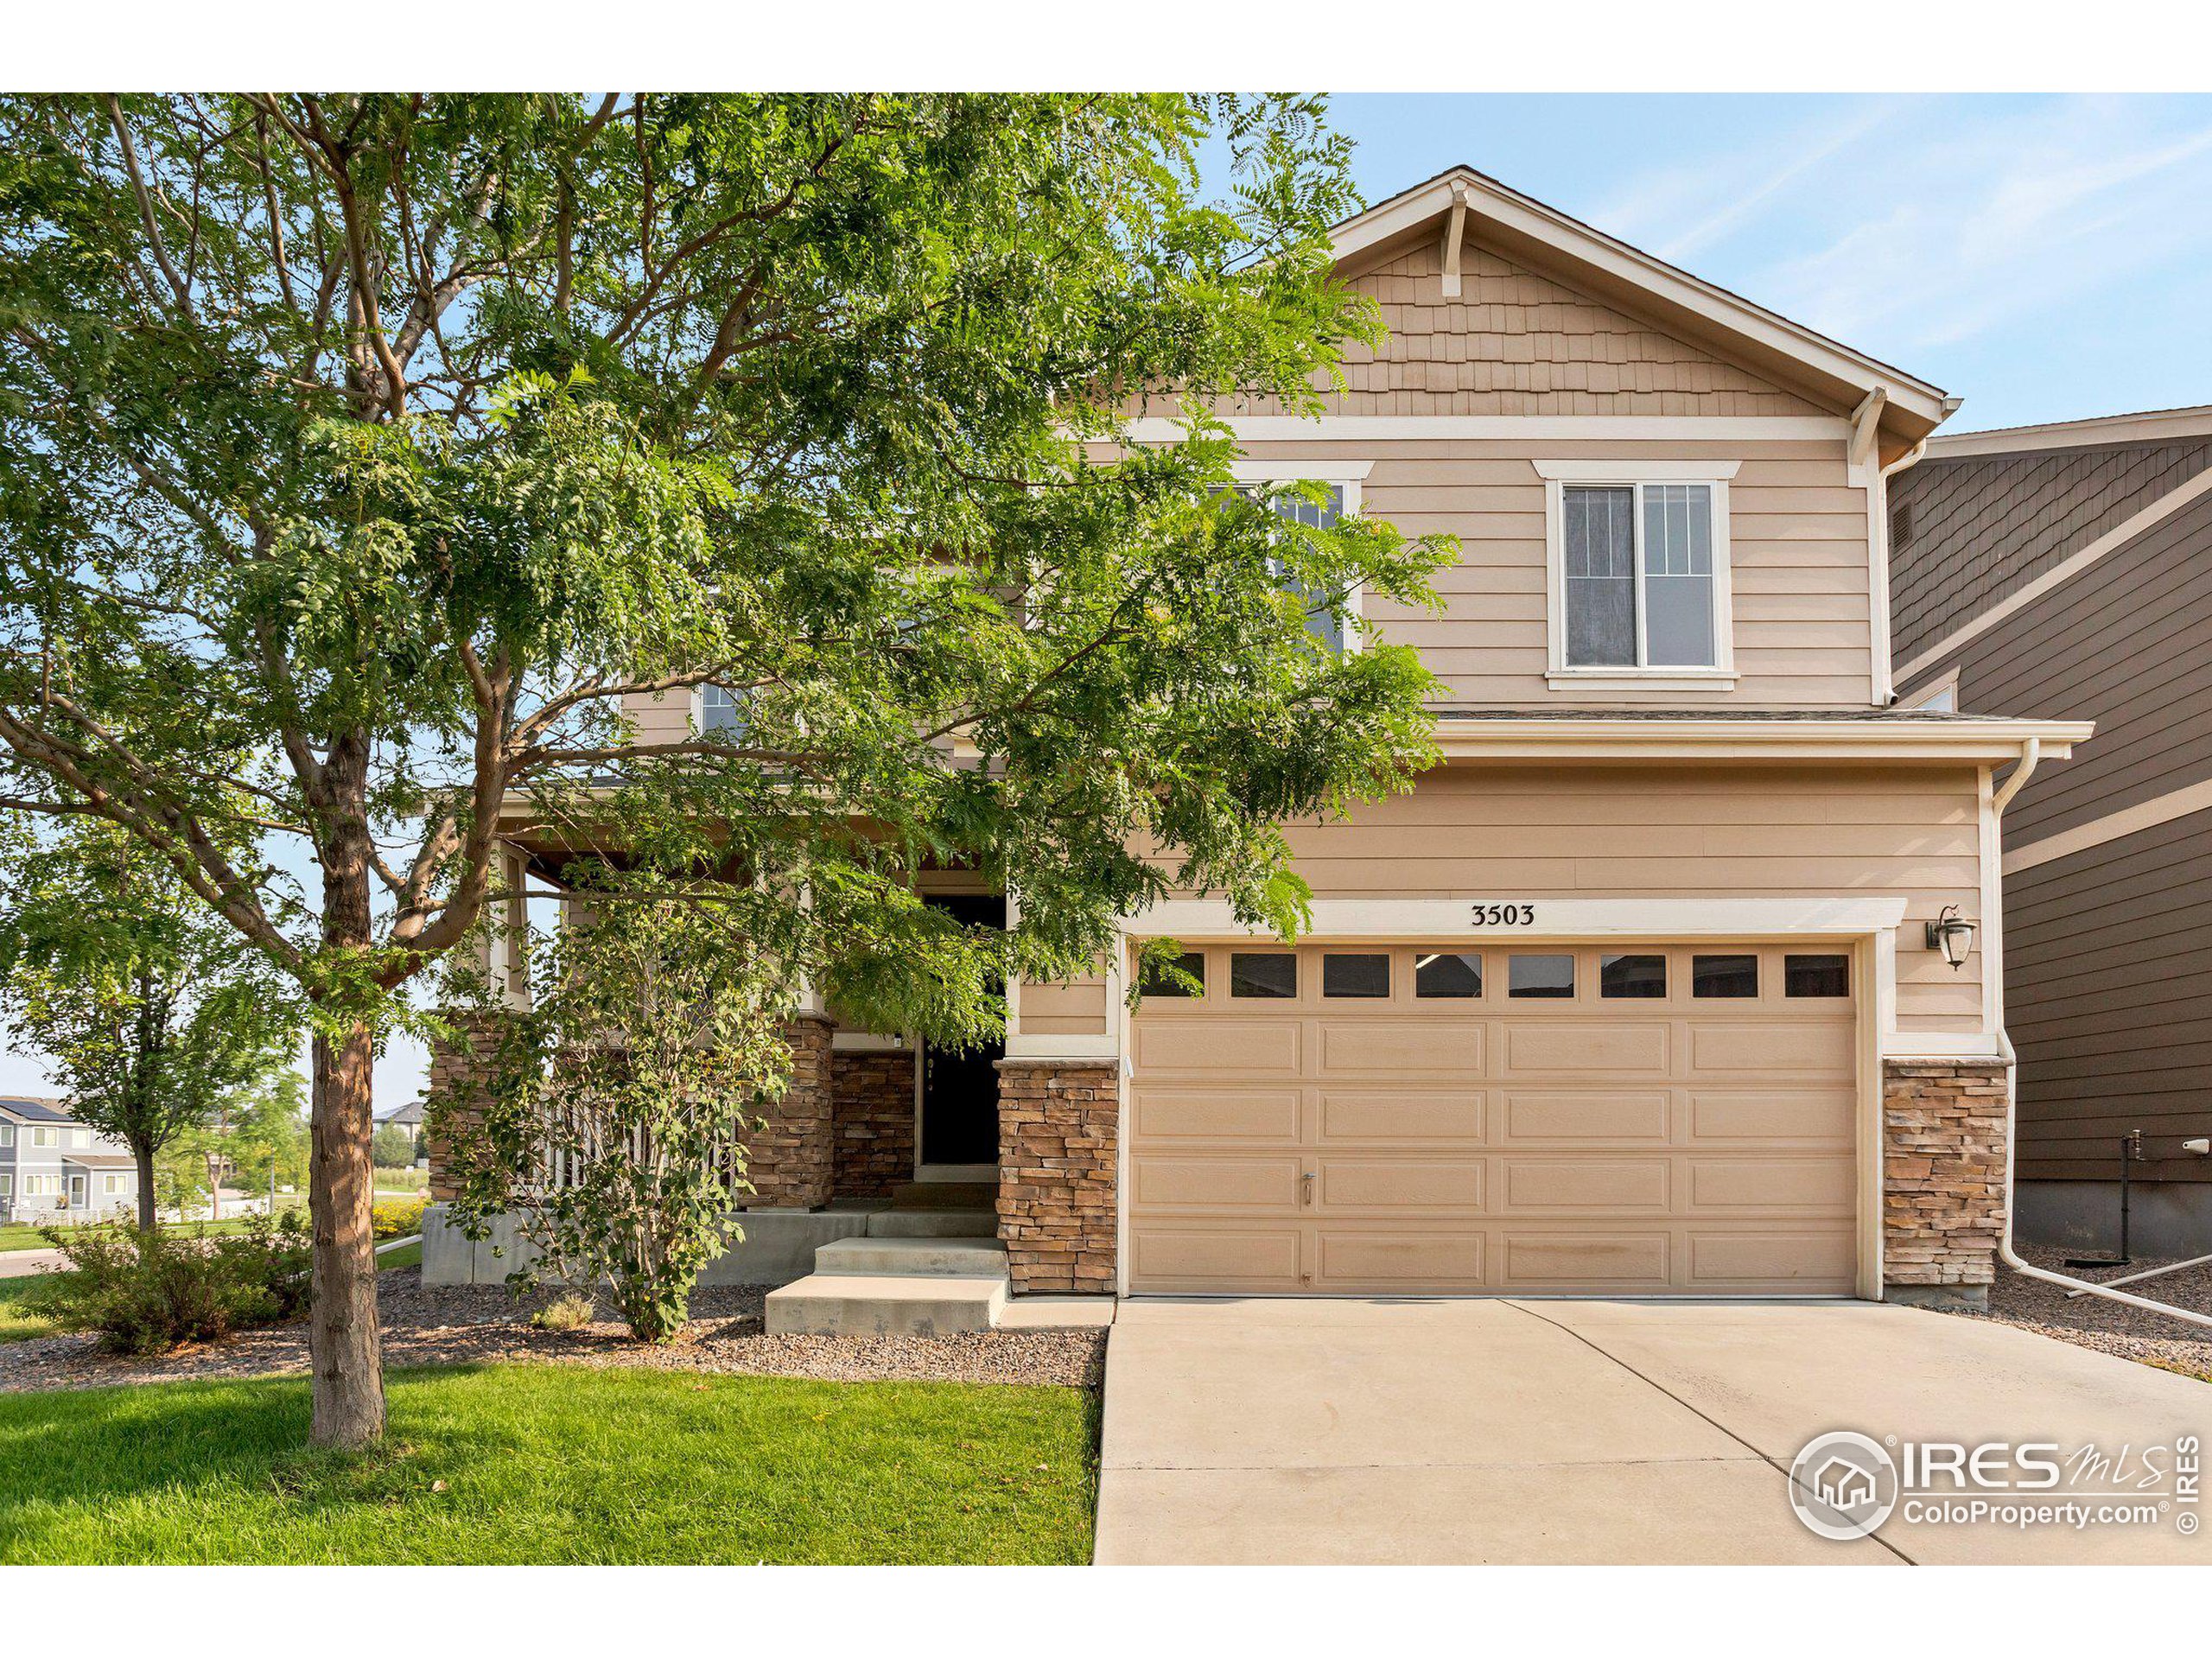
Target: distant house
[
  {"x": 53, "y": 1168},
  {"x": 410, "y": 1118}
]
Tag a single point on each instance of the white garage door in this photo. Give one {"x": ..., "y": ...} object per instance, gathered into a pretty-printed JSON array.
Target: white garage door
[{"x": 1542, "y": 1119}]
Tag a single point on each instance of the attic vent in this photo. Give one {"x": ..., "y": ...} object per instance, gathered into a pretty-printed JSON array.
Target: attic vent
[{"x": 1900, "y": 526}]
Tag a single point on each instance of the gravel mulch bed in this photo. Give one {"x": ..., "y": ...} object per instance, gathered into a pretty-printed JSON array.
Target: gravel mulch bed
[
  {"x": 2110, "y": 1327},
  {"x": 443, "y": 1326}
]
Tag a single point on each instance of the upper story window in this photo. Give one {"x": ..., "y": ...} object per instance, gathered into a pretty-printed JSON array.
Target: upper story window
[
  {"x": 718, "y": 710},
  {"x": 46, "y": 1137},
  {"x": 1341, "y": 481},
  {"x": 80, "y": 1139},
  {"x": 1639, "y": 589},
  {"x": 7, "y": 1134}
]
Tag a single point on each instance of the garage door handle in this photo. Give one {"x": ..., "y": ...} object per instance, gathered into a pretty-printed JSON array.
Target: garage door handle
[{"x": 1305, "y": 1187}]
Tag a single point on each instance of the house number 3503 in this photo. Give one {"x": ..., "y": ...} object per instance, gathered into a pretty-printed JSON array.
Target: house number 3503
[{"x": 1506, "y": 915}]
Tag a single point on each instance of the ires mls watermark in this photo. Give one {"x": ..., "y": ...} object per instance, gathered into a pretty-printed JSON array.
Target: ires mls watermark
[{"x": 1845, "y": 1484}]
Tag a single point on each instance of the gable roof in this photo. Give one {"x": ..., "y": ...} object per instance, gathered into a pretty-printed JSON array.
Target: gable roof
[
  {"x": 2147, "y": 426},
  {"x": 35, "y": 1109},
  {"x": 1609, "y": 269}
]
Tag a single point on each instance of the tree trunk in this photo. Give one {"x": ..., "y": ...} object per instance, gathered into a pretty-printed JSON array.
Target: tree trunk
[
  {"x": 142, "y": 1155},
  {"x": 345, "y": 1344}
]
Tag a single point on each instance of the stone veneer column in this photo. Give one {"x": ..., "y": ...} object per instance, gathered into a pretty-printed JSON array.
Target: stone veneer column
[
  {"x": 871, "y": 1099},
  {"x": 1943, "y": 1179},
  {"x": 792, "y": 1152},
  {"x": 451, "y": 1107},
  {"x": 1058, "y": 1174}
]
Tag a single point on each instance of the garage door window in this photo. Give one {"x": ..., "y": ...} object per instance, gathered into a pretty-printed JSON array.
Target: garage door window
[
  {"x": 1541, "y": 977},
  {"x": 1723, "y": 976},
  {"x": 1450, "y": 974},
  {"x": 1273, "y": 974},
  {"x": 1354, "y": 976},
  {"x": 1632, "y": 976},
  {"x": 1188, "y": 978},
  {"x": 1816, "y": 975}
]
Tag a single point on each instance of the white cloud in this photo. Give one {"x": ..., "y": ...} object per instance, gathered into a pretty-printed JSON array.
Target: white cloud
[{"x": 1987, "y": 222}]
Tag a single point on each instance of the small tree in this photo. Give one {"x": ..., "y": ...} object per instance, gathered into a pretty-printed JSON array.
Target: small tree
[
  {"x": 392, "y": 1147},
  {"x": 618, "y": 1104},
  {"x": 152, "y": 1017}
]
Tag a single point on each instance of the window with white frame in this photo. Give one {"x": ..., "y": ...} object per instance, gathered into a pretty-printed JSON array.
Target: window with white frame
[
  {"x": 718, "y": 709},
  {"x": 44, "y": 1137},
  {"x": 80, "y": 1139},
  {"x": 1340, "y": 499},
  {"x": 110, "y": 1186},
  {"x": 7, "y": 1134},
  {"x": 7, "y": 1185},
  {"x": 1639, "y": 572},
  {"x": 42, "y": 1187}
]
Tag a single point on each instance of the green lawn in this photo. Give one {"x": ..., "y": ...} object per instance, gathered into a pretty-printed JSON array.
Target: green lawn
[
  {"x": 19, "y": 1314},
  {"x": 407, "y": 1255},
  {"x": 554, "y": 1464}
]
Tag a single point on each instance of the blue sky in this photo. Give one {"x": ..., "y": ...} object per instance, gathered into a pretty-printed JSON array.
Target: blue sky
[{"x": 2044, "y": 258}]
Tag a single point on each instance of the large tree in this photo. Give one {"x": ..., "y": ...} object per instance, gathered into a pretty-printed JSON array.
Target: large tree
[
  {"x": 403, "y": 443},
  {"x": 154, "y": 1021}
]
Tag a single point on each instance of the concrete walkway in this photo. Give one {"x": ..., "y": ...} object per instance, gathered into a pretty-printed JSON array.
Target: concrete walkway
[
  {"x": 17, "y": 1264},
  {"x": 1326, "y": 1431}
]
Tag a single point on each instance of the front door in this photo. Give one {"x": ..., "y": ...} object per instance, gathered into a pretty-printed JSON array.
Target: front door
[
  {"x": 960, "y": 1087},
  {"x": 78, "y": 1196}
]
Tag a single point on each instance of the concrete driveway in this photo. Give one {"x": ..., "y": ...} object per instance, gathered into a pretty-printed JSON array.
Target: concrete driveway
[{"x": 1586, "y": 1432}]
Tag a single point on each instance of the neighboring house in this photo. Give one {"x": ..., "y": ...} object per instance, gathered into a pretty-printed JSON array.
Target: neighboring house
[
  {"x": 2067, "y": 571},
  {"x": 1636, "y": 993},
  {"x": 410, "y": 1118},
  {"x": 55, "y": 1169}
]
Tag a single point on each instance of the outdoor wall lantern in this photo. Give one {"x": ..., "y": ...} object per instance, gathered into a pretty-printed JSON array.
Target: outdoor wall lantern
[{"x": 1953, "y": 935}]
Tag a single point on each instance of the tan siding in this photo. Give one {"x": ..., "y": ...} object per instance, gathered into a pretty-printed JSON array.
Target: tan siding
[
  {"x": 1516, "y": 342},
  {"x": 662, "y": 718},
  {"x": 1798, "y": 548},
  {"x": 1470, "y": 831}
]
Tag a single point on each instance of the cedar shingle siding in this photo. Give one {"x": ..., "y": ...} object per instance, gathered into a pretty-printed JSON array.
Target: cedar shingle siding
[{"x": 1983, "y": 525}]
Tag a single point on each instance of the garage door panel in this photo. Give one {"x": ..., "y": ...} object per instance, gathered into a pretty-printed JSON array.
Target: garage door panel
[
  {"x": 1221, "y": 1114},
  {"x": 1423, "y": 1049},
  {"x": 1380, "y": 1260},
  {"x": 1216, "y": 1258},
  {"x": 1166, "y": 1182},
  {"x": 1586, "y": 1261},
  {"x": 1579, "y": 1048},
  {"x": 1624, "y": 1117},
  {"x": 1582, "y": 1145},
  {"x": 1815, "y": 1184},
  {"x": 1219, "y": 1048},
  {"x": 1772, "y": 1048},
  {"x": 1772, "y": 1115},
  {"x": 1401, "y": 1184},
  {"x": 1412, "y": 1114},
  {"x": 1612, "y": 1185},
  {"x": 1811, "y": 1261}
]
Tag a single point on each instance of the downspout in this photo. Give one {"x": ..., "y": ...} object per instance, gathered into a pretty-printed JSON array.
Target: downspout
[
  {"x": 2031, "y": 752},
  {"x": 1878, "y": 568}
]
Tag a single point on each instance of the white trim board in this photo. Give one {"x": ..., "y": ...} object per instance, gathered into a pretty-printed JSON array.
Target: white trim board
[
  {"x": 2068, "y": 568},
  {"x": 1555, "y": 919},
  {"x": 1562, "y": 429},
  {"x": 2143, "y": 815}
]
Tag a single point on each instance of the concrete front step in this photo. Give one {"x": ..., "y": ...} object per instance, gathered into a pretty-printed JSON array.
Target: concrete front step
[
  {"x": 887, "y": 1305},
  {"x": 933, "y": 1256},
  {"x": 934, "y": 1223}
]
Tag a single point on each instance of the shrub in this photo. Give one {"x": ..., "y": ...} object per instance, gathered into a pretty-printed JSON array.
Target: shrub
[
  {"x": 397, "y": 1218},
  {"x": 571, "y": 1312},
  {"x": 145, "y": 1292}
]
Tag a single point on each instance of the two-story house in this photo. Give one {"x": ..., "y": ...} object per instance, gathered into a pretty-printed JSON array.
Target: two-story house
[
  {"x": 2067, "y": 570},
  {"x": 1680, "y": 975},
  {"x": 55, "y": 1169}
]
